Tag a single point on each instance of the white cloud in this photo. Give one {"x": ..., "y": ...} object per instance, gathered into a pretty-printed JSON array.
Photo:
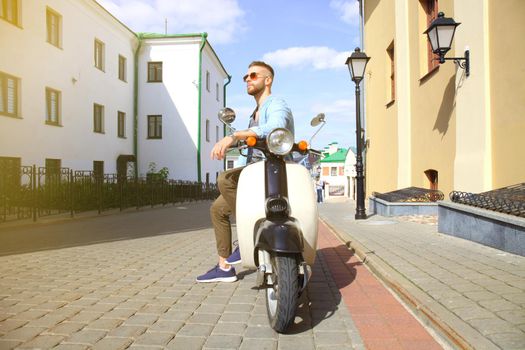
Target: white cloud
[
  {"x": 349, "y": 10},
  {"x": 221, "y": 19},
  {"x": 318, "y": 57}
]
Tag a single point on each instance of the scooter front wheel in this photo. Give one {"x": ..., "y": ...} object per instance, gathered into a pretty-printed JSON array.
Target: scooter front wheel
[{"x": 282, "y": 294}]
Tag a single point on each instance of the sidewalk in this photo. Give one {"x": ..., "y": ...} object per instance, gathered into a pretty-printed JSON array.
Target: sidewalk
[{"x": 472, "y": 295}]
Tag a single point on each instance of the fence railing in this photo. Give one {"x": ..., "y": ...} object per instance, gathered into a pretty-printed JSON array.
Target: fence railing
[{"x": 30, "y": 192}]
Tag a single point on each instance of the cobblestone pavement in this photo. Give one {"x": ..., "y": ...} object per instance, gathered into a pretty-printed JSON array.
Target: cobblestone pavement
[
  {"x": 473, "y": 294},
  {"x": 140, "y": 294}
]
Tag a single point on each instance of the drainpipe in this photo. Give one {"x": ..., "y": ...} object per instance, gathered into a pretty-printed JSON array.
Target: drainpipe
[
  {"x": 135, "y": 103},
  {"x": 203, "y": 43},
  {"x": 224, "y": 105}
]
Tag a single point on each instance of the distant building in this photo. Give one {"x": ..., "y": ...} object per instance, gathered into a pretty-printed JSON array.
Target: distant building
[
  {"x": 79, "y": 89},
  {"x": 337, "y": 170}
]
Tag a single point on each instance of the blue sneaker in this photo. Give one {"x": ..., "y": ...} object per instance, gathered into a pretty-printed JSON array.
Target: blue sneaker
[
  {"x": 216, "y": 274},
  {"x": 235, "y": 258}
]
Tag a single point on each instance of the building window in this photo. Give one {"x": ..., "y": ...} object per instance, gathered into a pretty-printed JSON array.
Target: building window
[
  {"x": 432, "y": 176},
  {"x": 207, "y": 81},
  {"x": 154, "y": 72},
  {"x": 217, "y": 91},
  {"x": 53, "y": 106},
  {"x": 122, "y": 67},
  {"x": 9, "y": 11},
  {"x": 53, "y": 171},
  {"x": 207, "y": 179},
  {"x": 154, "y": 126},
  {"x": 9, "y": 86},
  {"x": 54, "y": 27},
  {"x": 216, "y": 133},
  {"x": 229, "y": 164},
  {"x": 326, "y": 171},
  {"x": 121, "y": 124},
  {"x": 99, "y": 54},
  {"x": 207, "y": 130},
  {"x": 98, "y": 118},
  {"x": 98, "y": 169},
  {"x": 333, "y": 171},
  {"x": 430, "y": 12},
  {"x": 391, "y": 64}
]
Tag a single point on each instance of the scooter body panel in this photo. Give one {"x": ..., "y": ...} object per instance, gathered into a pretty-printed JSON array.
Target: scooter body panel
[{"x": 250, "y": 209}]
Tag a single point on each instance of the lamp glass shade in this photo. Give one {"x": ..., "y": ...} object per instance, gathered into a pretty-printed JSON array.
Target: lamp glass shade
[
  {"x": 445, "y": 34},
  {"x": 358, "y": 66}
]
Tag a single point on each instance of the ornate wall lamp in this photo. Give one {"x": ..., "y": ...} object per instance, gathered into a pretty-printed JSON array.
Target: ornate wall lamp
[{"x": 440, "y": 34}]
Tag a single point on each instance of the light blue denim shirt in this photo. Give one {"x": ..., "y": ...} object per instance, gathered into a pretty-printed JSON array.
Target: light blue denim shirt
[{"x": 274, "y": 113}]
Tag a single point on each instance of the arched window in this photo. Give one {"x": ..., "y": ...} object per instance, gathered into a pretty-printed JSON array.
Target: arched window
[{"x": 432, "y": 176}]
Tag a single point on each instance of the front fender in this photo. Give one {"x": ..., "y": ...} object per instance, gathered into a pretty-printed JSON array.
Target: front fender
[{"x": 283, "y": 236}]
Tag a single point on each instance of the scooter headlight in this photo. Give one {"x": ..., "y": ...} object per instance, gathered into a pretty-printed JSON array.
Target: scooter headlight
[{"x": 280, "y": 141}]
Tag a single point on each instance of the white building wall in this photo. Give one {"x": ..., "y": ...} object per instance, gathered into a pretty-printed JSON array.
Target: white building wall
[
  {"x": 176, "y": 99},
  {"x": 210, "y": 107},
  {"x": 69, "y": 69}
]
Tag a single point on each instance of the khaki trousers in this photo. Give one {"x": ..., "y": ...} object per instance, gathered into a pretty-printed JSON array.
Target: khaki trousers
[{"x": 222, "y": 209}]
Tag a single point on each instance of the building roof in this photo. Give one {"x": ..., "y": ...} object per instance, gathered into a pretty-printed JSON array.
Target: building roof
[{"x": 337, "y": 157}]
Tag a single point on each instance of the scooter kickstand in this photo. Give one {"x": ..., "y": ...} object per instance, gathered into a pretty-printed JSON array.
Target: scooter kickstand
[{"x": 261, "y": 270}]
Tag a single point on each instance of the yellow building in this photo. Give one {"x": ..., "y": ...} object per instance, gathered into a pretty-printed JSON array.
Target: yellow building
[{"x": 429, "y": 125}]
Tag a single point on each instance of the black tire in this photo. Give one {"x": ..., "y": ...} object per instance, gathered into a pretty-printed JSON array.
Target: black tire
[{"x": 282, "y": 297}]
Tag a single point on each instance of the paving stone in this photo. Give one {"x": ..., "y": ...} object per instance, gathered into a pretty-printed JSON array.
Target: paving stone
[
  {"x": 211, "y": 309},
  {"x": 497, "y": 305},
  {"x": 84, "y": 336},
  {"x": 186, "y": 343},
  {"x": 167, "y": 326},
  {"x": 260, "y": 332},
  {"x": 9, "y": 344},
  {"x": 142, "y": 319},
  {"x": 229, "y": 329},
  {"x": 106, "y": 324},
  {"x": 42, "y": 342},
  {"x": 223, "y": 342},
  {"x": 493, "y": 325},
  {"x": 28, "y": 315},
  {"x": 235, "y": 317},
  {"x": 119, "y": 314},
  {"x": 10, "y": 324},
  {"x": 509, "y": 341},
  {"x": 481, "y": 295},
  {"x": 202, "y": 318},
  {"x": 154, "y": 339},
  {"x": 114, "y": 343},
  {"x": 293, "y": 343},
  {"x": 240, "y": 308},
  {"x": 258, "y": 344},
  {"x": 330, "y": 338},
  {"x": 127, "y": 331},
  {"x": 516, "y": 317},
  {"x": 515, "y": 298},
  {"x": 47, "y": 321},
  {"x": 196, "y": 330},
  {"x": 23, "y": 334},
  {"x": 66, "y": 328},
  {"x": 86, "y": 317}
]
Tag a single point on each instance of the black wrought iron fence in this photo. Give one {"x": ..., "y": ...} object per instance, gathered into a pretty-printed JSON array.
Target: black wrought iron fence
[{"x": 31, "y": 192}]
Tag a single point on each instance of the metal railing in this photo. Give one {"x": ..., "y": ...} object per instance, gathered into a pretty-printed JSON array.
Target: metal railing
[
  {"x": 31, "y": 192},
  {"x": 509, "y": 200},
  {"x": 411, "y": 194}
]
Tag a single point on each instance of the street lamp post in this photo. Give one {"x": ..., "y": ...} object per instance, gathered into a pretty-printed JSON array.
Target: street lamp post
[{"x": 356, "y": 65}]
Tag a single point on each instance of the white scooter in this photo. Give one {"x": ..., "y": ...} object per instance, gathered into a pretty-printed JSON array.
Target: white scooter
[{"x": 277, "y": 220}]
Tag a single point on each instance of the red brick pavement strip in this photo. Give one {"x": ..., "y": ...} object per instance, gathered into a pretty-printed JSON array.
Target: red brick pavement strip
[{"x": 380, "y": 318}]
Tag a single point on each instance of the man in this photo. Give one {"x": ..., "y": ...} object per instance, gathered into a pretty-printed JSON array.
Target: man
[{"x": 270, "y": 113}]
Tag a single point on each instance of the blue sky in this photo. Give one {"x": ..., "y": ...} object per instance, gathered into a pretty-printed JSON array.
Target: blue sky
[{"x": 306, "y": 41}]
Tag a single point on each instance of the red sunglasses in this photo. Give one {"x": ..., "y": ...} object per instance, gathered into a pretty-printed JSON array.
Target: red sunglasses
[{"x": 252, "y": 76}]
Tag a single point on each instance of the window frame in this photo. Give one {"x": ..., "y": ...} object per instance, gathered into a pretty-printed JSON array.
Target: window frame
[
  {"x": 121, "y": 124},
  {"x": 98, "y": 108},
  {"x": 99, "y": 54},
  {"x": 390, "y": 51},
  {"x": 430, "y": 10},
  {"x": 49, "y": 120},
  {"x": 157, "y": 73},
  {"x": 4, "y": 95},
  {"x": 217, "y": 91},
  {"x": 122, "y": 65},
  {"x": 14, "y": 19},
  {"x": 207, "y": 130},
  {"x": 54, "y": 37},
  {"x": 155, "y": 133}
]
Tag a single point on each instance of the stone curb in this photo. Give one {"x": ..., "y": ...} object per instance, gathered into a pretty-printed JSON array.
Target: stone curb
[{"x": 451, "y": 329}]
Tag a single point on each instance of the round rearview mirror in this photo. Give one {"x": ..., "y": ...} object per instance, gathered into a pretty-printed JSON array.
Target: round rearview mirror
[
  {"x": 318, "y": 119},
  {"x": 226, "y": 115}
]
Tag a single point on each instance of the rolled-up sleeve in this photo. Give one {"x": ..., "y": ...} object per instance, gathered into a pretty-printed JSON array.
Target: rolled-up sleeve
[{"x": 278, "y": 115}]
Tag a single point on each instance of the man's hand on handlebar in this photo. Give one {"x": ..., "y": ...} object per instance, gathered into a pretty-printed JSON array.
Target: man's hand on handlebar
[{"x": 219, "y": 150}]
